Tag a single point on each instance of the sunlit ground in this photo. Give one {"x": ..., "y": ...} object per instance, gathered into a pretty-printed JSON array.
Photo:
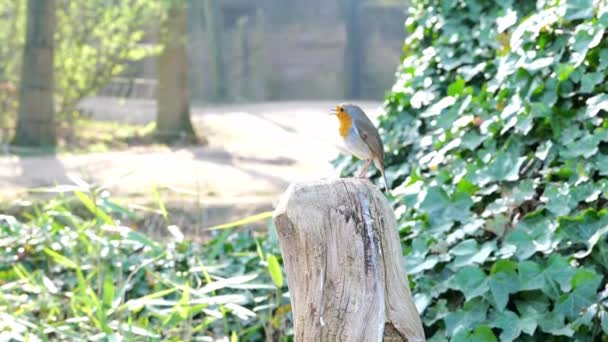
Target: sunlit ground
[{"x": 252, "y": 153}]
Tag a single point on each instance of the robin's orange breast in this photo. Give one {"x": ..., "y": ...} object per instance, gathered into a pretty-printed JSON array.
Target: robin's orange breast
[{"x": 345, "y": 124}]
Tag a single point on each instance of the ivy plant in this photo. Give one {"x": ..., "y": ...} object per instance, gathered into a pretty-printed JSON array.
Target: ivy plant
[{"x": 496, "y": 143}]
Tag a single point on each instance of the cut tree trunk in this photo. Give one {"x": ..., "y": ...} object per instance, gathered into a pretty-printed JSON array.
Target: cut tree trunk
[
  {"x": 173, "y": 92},
  {"x": 344, "y": 264},
  {"x": 36, "y": 115}
]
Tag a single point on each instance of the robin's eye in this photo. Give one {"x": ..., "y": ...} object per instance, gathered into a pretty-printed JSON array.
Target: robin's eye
[{"x": 340, "y": 109}]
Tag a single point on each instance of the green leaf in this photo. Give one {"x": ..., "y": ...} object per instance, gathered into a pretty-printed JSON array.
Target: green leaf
[
  {"x": 482, "y": 333},
  {"x": 60, "y": 259},
  {"x": 505, "y": 166},
  {"x": 160, "y": 203},
  {"x": 93, "y": 208},
  {"x": 579, "y": 9},
  {"x": 586, "y": 228},
  {"x": 588, "y": 83},
  {"x": 604, "y": 322},
  {"x": 596, "y": 104},
  {"x": 559, "y": 199},
  {"x": 531, "y": 276},
  {"x": 457, "y": 87},
  {"x": 560, "y": 271},
  {"x": 503, "y": 281},
  {"x": 108, "y": 290},
  {"x": 508, "y": 322},
  {"x": 471, "y": 281},
  {"x": 471, "y": 314},
  {"x": 584, "y": 286},
  {"x": 468, "y": 252},
  {"x": 275, "y": 270},
  {"x": 441, "y": 208},
  {"x": 585, "y": 147},
  {"x": 553, "y": 323}
]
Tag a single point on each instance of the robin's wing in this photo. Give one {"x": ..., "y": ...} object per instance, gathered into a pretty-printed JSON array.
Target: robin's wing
[{"x": 367, "y": 131}]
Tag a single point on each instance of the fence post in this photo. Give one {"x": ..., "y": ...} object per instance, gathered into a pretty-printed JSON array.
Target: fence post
[{"x": 344, "y": 264}]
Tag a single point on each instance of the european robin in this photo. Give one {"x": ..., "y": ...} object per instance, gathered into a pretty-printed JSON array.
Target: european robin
[{"x": 361, "y": 137}]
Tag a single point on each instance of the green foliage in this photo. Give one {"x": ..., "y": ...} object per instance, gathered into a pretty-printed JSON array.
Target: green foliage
[
  {"x": 71, "y": 272},
  {"x": 95, "y": 40},
  {"x": 497, "y": 143}
]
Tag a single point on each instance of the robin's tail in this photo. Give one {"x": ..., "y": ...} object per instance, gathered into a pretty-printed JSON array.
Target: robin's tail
[
  {"x": 386, "y": 188},
  {"x": 381, "y": 168}
]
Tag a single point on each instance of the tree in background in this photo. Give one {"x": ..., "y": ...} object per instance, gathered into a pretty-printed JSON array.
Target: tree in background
[
  {"x": 353, "y": 53},
  {"x": 217, "y": 70},
  {"x": 173, "y": 91},
  {"x": 36, "y": 116},
  {"x": 94, "y": 41}
]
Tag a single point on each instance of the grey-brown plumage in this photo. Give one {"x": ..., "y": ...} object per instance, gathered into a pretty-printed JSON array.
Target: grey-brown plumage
[{"x": 361, "y": 137}]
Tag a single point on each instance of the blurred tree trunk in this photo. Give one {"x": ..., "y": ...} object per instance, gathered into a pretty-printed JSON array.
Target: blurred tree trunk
[
  {"x": 36, "y": 116},
  {"x": 353, "y": 59},
  {"x": 173, "y": 92},
  {"x": 217, "y": 70}
]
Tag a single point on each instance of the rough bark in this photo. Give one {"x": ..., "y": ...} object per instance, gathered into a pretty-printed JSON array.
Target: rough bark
[
  {"x": 36, "y": 116},
  {"x": 344, "y": 264},
  {"x": 173, "y": 92}
]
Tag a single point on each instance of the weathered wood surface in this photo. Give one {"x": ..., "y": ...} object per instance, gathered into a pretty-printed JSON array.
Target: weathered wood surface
[{"x": 344, "y": 264}]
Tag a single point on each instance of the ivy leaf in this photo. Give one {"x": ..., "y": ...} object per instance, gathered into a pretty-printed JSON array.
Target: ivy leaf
[
  {"x": 584, "y": 285},
  {"x": 553, "y": 323},
  {"x": 560, "y": 271},
  {"x": 456, "y": 88},
  {"x": 471, "y": 281},
  {"x": 604, "y": 322},
  {"x": 441, "y": 208},
  {"x": 579, "y": 9},
  {"x": 559, "y": 199},
  {"x": 596, "y": 104},
  {"x": 503, "y": 281},
  {"x": 585, "y": 147},
  {"x": 600, "y": 162},
  {"x": 532, "y": 308},
  {"x": 589, "y": 81},
  {"x": 505, "y": 166},
  {"x": 469, "y": 252},
  {"x": 482, "y": 333},
  {"x": 524, "y": 191},
  {"x": 508, "y": 322},
  {"x": 472, "y": 313},
  {"x": 586, "y": 228},
  {"x": 587, "y": 36},
  {"x": 531, "y": 276}
]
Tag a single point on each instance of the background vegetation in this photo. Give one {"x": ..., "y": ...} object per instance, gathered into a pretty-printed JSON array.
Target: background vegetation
[
  {"x": 74, "y": 269},
  {"x": 498, "y": 150}
]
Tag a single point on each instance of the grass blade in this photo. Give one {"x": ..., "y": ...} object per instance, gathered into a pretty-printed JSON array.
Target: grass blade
[{"x": 244, "y": 221}]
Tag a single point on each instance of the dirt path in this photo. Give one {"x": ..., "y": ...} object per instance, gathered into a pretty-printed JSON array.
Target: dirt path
[{"x": 254, "y": 152}]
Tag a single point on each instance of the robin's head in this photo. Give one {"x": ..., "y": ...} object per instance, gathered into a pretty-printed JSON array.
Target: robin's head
[
  {"x": 343, "y": 112},
  {"x": 346, "y": 109}
]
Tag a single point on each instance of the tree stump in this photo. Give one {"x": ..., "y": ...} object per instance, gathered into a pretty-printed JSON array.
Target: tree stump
[{"x": 344, "y": 264}]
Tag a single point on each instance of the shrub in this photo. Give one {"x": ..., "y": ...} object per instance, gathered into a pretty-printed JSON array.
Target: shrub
[{"x": 497, "y": 145}]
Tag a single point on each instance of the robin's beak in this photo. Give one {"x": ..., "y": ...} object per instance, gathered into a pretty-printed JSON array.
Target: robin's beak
[{"x": 333, "y": 111}]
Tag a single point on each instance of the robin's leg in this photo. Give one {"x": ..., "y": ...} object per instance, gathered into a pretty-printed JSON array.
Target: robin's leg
[{"x": 365, "y": 167}]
